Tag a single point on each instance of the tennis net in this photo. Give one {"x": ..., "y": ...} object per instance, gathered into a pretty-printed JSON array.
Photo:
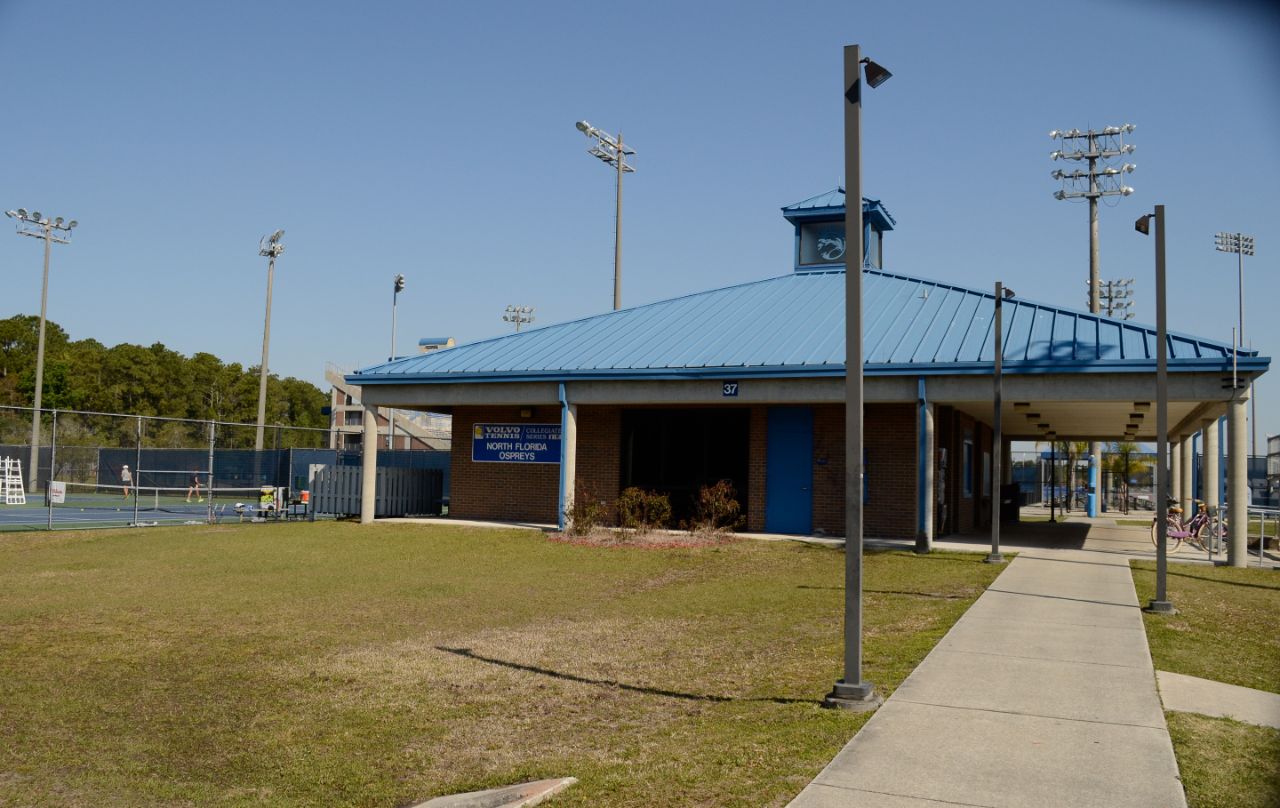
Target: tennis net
[{"x": 90, "y": 497}]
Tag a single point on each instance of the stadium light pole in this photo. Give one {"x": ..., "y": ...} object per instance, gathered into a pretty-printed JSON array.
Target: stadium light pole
[
  {"x": 1097, "y": 181},
  {"x": 851, "y": 692},
  {"x": 41, "y": 227},
  {"x": 397, "y": 286},
  {"x": 997, "y": 453},
  {"x": 612, "y": 151},
  {"x": 1161, "y": 603},
  {"x": 518, "y": 315},
  {"x": 270, "y": 248},
  {"x": 1241, "y": 245}
]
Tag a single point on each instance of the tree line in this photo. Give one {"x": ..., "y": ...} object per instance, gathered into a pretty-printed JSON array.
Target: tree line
[{"x": 153, "y": 380}]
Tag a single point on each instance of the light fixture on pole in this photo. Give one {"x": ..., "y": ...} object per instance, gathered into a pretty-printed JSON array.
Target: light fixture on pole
[
  {"x": 518, "y": 315},
  {"x": 270, "y": 248},
  {"x": 997, "y": 440},
  {"x": 397, "y": 286},
  {"x": 612, "y": 151},
  {"x": 1161, "y": 603},
  {"x": 41, "y": 227},
  {"x": 1102, "y": 178},
  {"x": 1241, "y": 245},
  {"x": 851, "y": 692}
]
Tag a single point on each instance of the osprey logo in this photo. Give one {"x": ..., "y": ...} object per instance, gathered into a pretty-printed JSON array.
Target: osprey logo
[{"x": 831, "y": 248}]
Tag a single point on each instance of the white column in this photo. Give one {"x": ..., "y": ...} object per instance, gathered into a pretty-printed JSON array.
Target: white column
[
  {"x": 1209, "y": 479},
  {"x": 1237, "y": 483},
  {"x": 569, "y": 461},
  {"x": 1175, "y": 469},
  {"x": 1188, "y": 465},
  {"x": 930, "y": 496},
  {"x": 369, "y": 465}
]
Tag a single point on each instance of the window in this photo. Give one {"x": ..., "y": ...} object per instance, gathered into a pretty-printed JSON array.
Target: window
[
  {"x": 355, "y": 418},
  {"x": 966, "y": 468}
]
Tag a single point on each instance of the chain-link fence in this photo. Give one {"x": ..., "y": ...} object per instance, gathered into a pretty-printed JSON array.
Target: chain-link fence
[{"x": 112, "y": 469}]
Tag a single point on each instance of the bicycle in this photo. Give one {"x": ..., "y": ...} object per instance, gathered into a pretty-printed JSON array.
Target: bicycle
[{"x": 1194, "y": 530}]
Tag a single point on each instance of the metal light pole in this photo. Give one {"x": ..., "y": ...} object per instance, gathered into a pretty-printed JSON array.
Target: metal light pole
[
  {"x": 1241, "y": 245},
  {"x": 997, "y": 447},
  {"x": 270, "y": 248},
  {"x": 612, "y": 151},
  {"x": 397, "y": 286},
  {"x": 851, "y": 692},
  {"x": 1094, "y": 147},
  {"x": 41, "y": 227},
  {"x": 1161, "y": 603},
  {"x": 518, "y": 315}
]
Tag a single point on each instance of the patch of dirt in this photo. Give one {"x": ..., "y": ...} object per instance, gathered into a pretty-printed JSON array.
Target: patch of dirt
[{"x": 650, "y": 540}]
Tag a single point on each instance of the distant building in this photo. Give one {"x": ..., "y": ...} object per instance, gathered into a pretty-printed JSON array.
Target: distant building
[{"x": 415, "y": 431}]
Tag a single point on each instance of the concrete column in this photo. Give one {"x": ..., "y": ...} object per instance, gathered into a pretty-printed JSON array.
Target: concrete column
[
  {"x": 568, "y": 462},
  {"x": 1187, "y": 464},
  {"x": 1175, "y": 470},
  {"x": 1237, "y": 483},
  {"x": 1209, "y": 479},
  {"x": 928, "y": 495},
  {"x": 369, "y": 465}
]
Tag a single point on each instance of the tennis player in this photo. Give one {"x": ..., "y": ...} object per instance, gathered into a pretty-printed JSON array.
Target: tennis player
[
  {"x": 126, "y": 479},
  {"x": 195, "y": 487}
]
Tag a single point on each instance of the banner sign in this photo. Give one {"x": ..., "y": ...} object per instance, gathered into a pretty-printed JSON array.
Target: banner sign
[
  {"x": 515, "y": 443},
  {"x": 57, "y": 492}
]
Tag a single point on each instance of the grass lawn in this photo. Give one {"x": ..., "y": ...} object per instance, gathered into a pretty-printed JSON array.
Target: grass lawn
[
  {"x": 338, "y": 664},
  {"x": 1225, "y": 630}
]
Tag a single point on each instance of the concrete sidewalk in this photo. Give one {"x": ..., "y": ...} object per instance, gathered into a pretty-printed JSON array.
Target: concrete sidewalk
[{"x": 1042, "y": 694}]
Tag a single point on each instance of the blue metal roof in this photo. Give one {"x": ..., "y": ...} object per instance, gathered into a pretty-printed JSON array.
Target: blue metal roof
[
  {"x": 793, "y": 326},
  {"x": 831, "y": 205}
]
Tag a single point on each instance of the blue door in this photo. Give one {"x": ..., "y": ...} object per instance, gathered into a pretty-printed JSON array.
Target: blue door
[{"x": 789, "y": 471}]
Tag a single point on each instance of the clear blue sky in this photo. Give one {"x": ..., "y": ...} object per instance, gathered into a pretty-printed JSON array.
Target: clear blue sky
[{"x": 436, "y": 139}]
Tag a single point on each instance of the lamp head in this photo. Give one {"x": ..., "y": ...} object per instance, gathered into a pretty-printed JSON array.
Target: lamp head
[
  {"x": 1143, "y": 225},
  {"x": 876, "y": 74},
  {"x": 399, "y": 283},
  {"x": 585, "y": 128},
  {"x": 36, "y": 216},
  {"x": 1008, "y": 293}
]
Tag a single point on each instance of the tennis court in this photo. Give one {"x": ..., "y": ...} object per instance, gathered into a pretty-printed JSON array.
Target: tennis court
[{"x": 87, "y": 505}]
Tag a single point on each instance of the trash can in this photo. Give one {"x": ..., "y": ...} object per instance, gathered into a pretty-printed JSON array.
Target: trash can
[{"x": 1010, "y": 499}]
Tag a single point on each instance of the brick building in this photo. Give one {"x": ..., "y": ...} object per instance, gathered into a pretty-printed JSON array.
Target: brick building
[{"x": 746, "y": 383}]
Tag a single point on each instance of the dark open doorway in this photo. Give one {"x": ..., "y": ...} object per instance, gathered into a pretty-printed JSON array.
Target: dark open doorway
[{"x": 676, "y": 452}]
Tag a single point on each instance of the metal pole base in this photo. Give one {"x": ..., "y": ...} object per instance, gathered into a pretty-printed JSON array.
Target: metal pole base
[
  {"x": 1160, "y": 607},
  {"x": 994, "y": 558},
  {"x": 860, "y": 697}
]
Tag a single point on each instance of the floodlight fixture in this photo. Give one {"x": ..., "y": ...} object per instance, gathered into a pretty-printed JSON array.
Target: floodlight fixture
[
  {"x": 1042, "y": 425},
  {"x": 269, "y": 247},
  {"x": 34, "y": 225},
  {"x": 1142, "y": 406},
  {"x": 1143, "y": 224},
  {"x": 72, "y": 224},
  {"x": 1008, "y": 294},
  {"x": 1033, "y": 416},
  {"x": 614, "y": 152},
  {"x": 876, "y": 73},
  {"x": 1021, "y": 405}
]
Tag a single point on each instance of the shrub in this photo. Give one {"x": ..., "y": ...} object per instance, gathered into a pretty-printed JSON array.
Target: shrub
[
  {"x": 587, "y": 512},
  {"x": 642, "y": 510},
  {"x": 717, "y": 508}
]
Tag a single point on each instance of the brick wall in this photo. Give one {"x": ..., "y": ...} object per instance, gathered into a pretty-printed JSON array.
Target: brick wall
[
  {"x": 600, "y": 453},
  {"x": 889, "y": 437},
  {"x": 521, "y": 491}
]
